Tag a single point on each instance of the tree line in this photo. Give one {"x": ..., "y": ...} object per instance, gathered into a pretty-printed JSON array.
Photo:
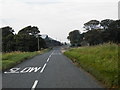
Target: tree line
[
  {"x": 26, "y": 39},
  {"x": 96, "y": 32}
]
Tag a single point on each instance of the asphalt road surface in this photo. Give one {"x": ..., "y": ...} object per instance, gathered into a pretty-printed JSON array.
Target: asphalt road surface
[{"x": 49, "y": 70}]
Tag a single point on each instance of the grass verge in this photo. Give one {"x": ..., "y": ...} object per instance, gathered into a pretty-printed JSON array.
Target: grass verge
[
  {"x": 101, "y": 61},
  {"x": 13, "y": 58}
]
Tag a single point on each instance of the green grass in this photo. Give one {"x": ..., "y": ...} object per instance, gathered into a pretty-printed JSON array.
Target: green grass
[
  {"x": 101, "y": 61},
  {"x": 13, "y": 58}
]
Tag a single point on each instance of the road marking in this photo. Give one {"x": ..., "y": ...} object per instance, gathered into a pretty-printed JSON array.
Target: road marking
[
  {"x": 35, "y": 69},
  {"x": 30, "y": 69},
  {"x": 34, "y": 85},
  {"x": 10, "y": 72},
  {"x": 50, "y": 56},
  {"x": 25, "y": 70},
  {"x": 13, "y": 70},
  {"x": 48, "y": 59},
  {"x": 43, "y": 68}
]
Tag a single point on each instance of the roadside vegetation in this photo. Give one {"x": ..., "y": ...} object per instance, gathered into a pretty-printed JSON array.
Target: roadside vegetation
[
  {"x": 13, "y": 58},
  {"x": 100, "y": 60}
]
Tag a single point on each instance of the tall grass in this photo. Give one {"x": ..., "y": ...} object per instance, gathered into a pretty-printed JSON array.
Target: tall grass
[
  {"x": 101, "y": 61},
  {"x": 11, "y": 59}
]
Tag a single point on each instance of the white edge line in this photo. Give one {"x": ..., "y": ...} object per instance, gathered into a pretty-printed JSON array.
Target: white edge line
[
  {"x": 34, "y": 85},
  {"x": 43, "y": 68}
]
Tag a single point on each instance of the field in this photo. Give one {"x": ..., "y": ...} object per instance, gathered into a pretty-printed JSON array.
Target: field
[
  {"x": 13, "y": 58},
  {"x": 101, "y": 61}
]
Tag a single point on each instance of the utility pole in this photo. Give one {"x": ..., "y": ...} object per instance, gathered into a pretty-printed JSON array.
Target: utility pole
[
  {"x": 38, "y": 44},
  {"x": 37, "y": 36}
]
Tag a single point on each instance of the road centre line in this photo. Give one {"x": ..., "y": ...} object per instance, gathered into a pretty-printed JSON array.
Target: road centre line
[
  {"x": 48, "y": 59},
  {"x": 52, "y": 53},
  {"x": 46, "y": 63},
  {"x": 49, "y": 56},
  {"x": 34, "y": 85},
  {"x": 43, "y": 68}
]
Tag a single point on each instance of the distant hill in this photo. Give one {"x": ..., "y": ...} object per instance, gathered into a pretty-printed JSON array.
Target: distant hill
[{"x": 50, "y": 42}]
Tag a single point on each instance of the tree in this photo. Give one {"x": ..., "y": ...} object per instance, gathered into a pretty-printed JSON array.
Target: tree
[
  {"x": 114, "y": 31},
  {"x": 27, "y": 39},
  {"x": 29, "y": 30},
  {"x": 25, "y": 42},
  {"x": 7, "y": 39},
  {"x": 42, "y": 43},
  {"x": 75, "y": 38},
  {"x": 105, "y": 23},
  {"x": 94, "y": 32},
  {"x": 10, "y": 43},
  {"x": 91, "y": 25},
  {"x": 109, "y": 33},
  {"x": 7, "y": 31},
  {"x": 93, "y": 37}
]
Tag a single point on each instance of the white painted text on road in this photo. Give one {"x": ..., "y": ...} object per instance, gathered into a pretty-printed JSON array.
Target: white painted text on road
[{"x": 25, "y": 70}]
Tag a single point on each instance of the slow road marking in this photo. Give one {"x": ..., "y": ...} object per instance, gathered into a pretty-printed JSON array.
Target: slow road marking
[
  {"x": 25, "y": 70},
  {"x": 29, "y": 69}
]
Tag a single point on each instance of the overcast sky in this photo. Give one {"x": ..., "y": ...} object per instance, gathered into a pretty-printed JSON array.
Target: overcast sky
[{"x": 55, "y": 17}]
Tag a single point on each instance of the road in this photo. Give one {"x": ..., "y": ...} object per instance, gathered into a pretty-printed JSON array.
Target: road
[{"x": 49, "y": 70}]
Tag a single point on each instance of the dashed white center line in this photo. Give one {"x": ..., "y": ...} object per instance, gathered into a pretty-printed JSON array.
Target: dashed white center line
[
  {"x": 50, "y": 56},
  {"x": 48, "y": 59},
  {"x": 36, "y": 81},
  {"x": 34, "y": 85},
  {"x": 43, "y": 68}
]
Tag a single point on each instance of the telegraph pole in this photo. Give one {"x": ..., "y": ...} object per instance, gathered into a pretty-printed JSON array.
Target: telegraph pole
[
  {"x": 37, "y": 36},
  {"x": 38, "y": 44}
]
